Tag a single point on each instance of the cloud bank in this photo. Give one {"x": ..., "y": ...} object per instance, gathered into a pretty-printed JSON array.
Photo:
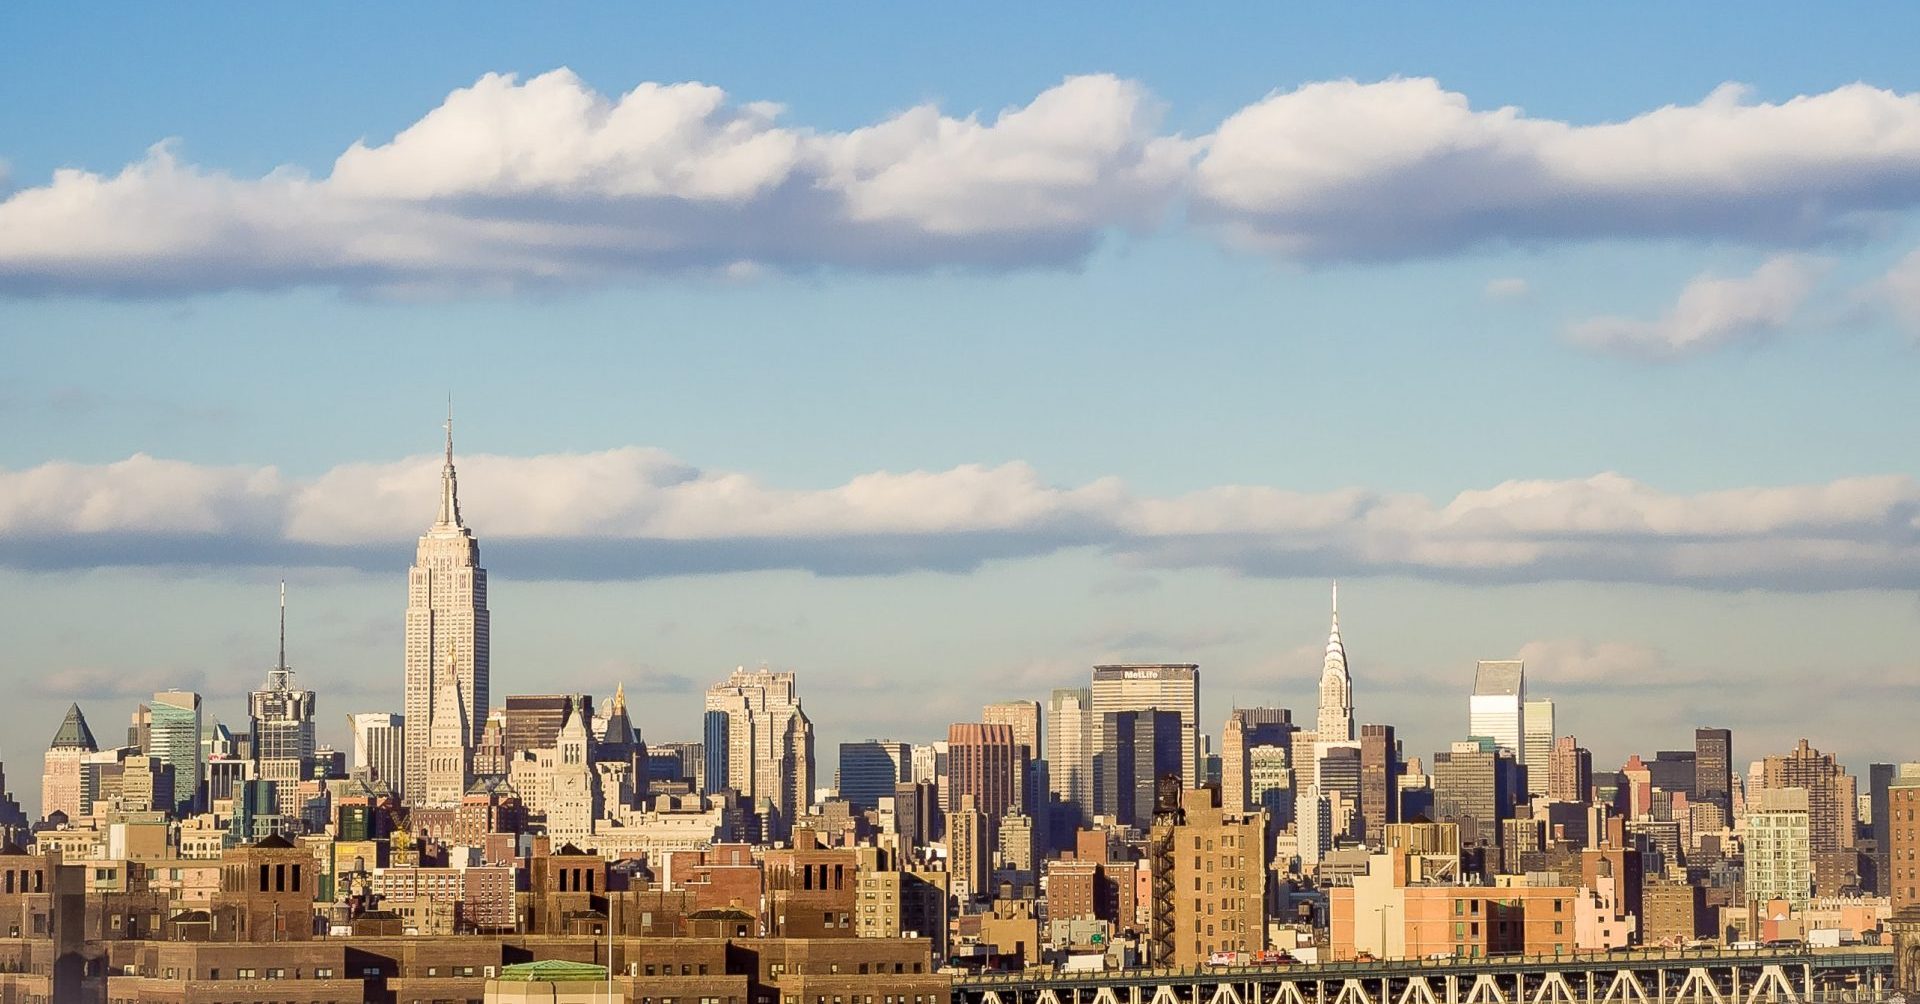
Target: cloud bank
[
  {"x": 1713, "y": 312},
  {"x": 636, "y": 513},
  {"x": 510, "y": 184},
  {"x": 513, "y": 183}
]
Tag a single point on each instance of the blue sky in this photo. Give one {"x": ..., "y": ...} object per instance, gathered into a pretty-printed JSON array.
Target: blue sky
[{"x": 1531, "y": 388}]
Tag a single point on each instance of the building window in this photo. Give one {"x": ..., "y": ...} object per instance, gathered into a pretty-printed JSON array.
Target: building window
[{"x": 323, "y": 973}]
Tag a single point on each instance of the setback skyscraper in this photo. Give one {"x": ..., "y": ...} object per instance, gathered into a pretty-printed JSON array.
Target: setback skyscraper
[
  {"x": 447, "y": 627},
  {"x": 768, "y": 743},
  {"x": 281, "y": 719},
  {"x": 1336, "y": 686}
]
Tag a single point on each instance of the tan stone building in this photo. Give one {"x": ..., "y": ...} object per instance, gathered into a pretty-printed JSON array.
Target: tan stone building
[{"x": 1210, "y": 881}]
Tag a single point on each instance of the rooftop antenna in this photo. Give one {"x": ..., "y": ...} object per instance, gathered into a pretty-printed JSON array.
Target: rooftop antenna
[{"x": 283, "y": 626}]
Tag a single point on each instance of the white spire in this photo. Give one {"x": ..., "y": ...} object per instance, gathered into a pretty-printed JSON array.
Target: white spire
[
  {"x": 449, "y": 485},
  {"x": 1336, "y": 687},
  {"x": 1335, "y": 650}
]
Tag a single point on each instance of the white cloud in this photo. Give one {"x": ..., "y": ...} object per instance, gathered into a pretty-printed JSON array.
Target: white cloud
[
  {"x": 1403, "y": 167},
  {"x": 1712, "y": 312},
  {"x": 1507, "y": 288},
  {"x": 1577, "y": 664},
  {"x": 1900, "y": 289},
  {"x": 636, "y": 513},
  {"x": 510, "y": 183}
]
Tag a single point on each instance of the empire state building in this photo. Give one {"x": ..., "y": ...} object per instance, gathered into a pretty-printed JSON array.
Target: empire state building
[{"x": 446, "y": 623}]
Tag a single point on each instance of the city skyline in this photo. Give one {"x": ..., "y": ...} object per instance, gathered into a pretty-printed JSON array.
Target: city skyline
[
  {"x": 449, "y": 524},
  {"x": 959, "y": 505},
  {"x": 934, "y": 442}
]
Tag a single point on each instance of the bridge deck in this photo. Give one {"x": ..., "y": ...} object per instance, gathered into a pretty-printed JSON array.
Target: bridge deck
[{"x": 1791, "y": 974}]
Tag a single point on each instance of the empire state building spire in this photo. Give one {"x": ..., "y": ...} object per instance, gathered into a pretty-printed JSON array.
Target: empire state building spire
[
  {"x": 447, "y": 629},
  {"x": 449, "y": 483},
  {"x": 1336, "y": 686}
]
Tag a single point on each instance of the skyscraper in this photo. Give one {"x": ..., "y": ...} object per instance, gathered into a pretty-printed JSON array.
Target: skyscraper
[
  {"x": 1069, "y": 740},
  {"x": 62, "y": 785},
  {"x": 173, "y": 741},
  {"x": 1474, "y": 784},
  {"x": 1171, "y": 687},
  {"x": 1832, "y": 811},
  {"x": 1879, "y": 779},
  {"x": 1142, "y": 748},
  {"x": 282, "y": 727},
  {"x": 447, "y": 623},
  {"x": 984, "y": 763},
  {"x": 1498, "y": 705},
  {"x": 1569, "y": 771},
  {"x": 871, "y": 769},
  {"x": 1713, "y": 768},
  {"x": 1336, "y": 686},
  {"x": 768, "y": 744},
  {"x": 1379, "y": 782},
  {"x": 1023, "y": 717},
  {"x": 1248, "y": 729},
  {"x": 379, "y": 747},
  {"x": 533, "y": 721},
  {"x": 1537, "y": 738}
]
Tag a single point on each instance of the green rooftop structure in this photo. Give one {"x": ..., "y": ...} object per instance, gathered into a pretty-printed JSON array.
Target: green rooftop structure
[{"x": 553, "y": 971}]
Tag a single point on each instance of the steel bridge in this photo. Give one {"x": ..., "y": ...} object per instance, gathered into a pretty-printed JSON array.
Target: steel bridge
[{"x": 1847, "y": 975}]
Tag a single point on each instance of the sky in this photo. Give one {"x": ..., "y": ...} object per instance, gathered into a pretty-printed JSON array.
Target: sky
[{"x": 938, "y": 356}]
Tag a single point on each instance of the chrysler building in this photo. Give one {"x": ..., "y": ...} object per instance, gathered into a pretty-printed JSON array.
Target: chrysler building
[
  {"x": 446, "y": 621},
  {"x": 1336, "y": 687}
]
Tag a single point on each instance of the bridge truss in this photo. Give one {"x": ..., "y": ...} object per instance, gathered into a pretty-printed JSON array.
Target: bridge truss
[{"x": 1795, "y": 976}]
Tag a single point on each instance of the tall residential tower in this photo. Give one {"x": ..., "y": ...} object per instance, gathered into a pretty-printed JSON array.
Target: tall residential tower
[{"x": 446, "y": 621}]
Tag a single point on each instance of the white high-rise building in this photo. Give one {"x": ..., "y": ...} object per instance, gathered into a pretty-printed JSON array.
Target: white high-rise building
[
  {"x": 379, "y": 747},
  {"x": 446, "y": 620},
  {"x": 1070, "y": 731},
  {"x": 1312, "y": 827},
  {"x": 1538, "y": 742},
  {"x": 1780, "y": 847},
  {"x": 769, "y": 743},
  {"x": 1336, "y": 686},
  {"x": 281, "y": 718},
  {"x": 1497, "y": 708},
  {"x": 1152, "y": 687}
]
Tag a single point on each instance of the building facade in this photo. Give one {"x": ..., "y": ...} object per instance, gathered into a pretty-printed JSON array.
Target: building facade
[
  {"x": 767, "y": 742},
  {"x": 1497, "y": 709},
  {"x": 447, "y": 624},
  {"x": 63, "y": 782},
  {"x": 379, "y": 748},
  {"x": 1171, "y": 687}
]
